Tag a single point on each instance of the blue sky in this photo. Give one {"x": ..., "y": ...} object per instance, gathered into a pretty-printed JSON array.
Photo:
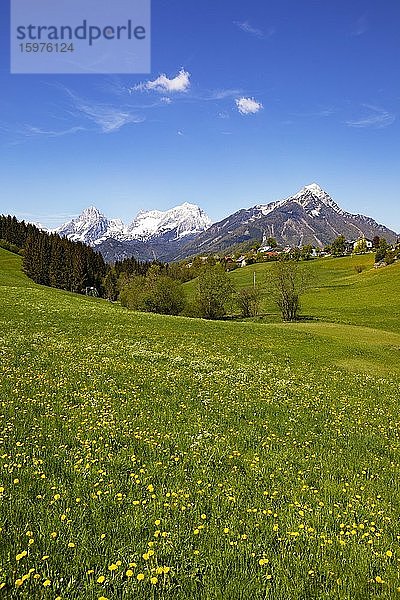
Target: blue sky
[{"x": 245, "y": 104}]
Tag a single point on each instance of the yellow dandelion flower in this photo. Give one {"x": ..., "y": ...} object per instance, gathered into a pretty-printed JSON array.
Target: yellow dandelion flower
[
  {"x": 389, "y": 554},
  {"x": 112, "y": 567},
  {"x": 101, "y": 579},
  {"x": 154, "y": 580},
  {"x": 71, "y": 545},
  {"x": 140, "y": 576},
  {"x": 18, "y": 583},
  {"x": 46, "y": 583},
  {"x": 129, "y": 573},
  {"x": 379, "y": 579}
]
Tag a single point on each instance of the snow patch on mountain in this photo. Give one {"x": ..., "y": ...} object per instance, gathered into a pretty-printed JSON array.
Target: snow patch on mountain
[{"x": 93, "y": 227}]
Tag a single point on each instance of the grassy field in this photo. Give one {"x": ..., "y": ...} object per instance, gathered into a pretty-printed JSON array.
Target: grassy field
[{"x": 146, "y": 457}]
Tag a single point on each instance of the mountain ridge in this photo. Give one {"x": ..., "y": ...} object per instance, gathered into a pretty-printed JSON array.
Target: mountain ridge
[{"x": 310, "y": 216}]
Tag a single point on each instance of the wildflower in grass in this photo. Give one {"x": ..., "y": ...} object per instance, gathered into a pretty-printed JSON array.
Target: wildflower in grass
[
  {"x": 378, "y": 579},
  {"x": 101, "y": 579},
  {"x": 154, "y": 580},
  {"x": 18, "y": 582},
  {"x": 263, "y": 561},
  {"x": 46, "y": 583},
  {"x": 140, "y": 576},
  {"x": 54, "y": 535},
  {"x": 102, "y": 598},
  {"x": 112, "y": 567},
  {"x": 71, "y": 545},
  {"x": 129, "y": 573},
  {"x": 389, "y": 554},
  {"x": 21, "y": 555}
]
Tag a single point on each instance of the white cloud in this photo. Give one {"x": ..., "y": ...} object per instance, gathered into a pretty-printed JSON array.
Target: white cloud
[
  {"x": 361, "y": 26},
  {"x": 222, "y": 94},
  {"x": 247, "y": 28},
  {"x": 248, "y": 106},
  {"x": 31, "y": 131},
  {"x": 164, "y": 85},
  {"x": 377, "y": 118},
  {"x": 254, "y": 31},
  {"x": 106, "y": 117}
]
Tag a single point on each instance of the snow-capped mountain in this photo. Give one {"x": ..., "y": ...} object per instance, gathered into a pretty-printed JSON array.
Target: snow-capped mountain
[
  {"x": 159, "y": 227},
  {"x": 311, "y": 216},
  {"x": 181, "y": 221},
  {"x": 91, "y": 226}
]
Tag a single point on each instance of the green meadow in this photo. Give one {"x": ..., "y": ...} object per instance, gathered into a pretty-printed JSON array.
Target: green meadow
[{"x": 152, "y": 457}]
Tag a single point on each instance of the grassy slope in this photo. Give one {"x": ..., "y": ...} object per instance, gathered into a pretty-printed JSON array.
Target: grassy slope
[
  {"x": 340, "y": 294},
  {"x": 253, "y": 425}
]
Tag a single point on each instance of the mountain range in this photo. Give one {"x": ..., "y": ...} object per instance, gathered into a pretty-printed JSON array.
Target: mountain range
[{"x": 310, "y": 216}]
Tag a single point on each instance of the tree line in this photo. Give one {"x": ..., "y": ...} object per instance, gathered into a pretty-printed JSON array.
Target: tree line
[
  {"x": 49, "y": 259},
  {"x": 55, "y": 261}
]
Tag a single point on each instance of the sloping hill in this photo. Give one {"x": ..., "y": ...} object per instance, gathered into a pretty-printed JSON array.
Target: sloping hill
[
  {"x": 339, "y": 294},
  {"x": 147, "y": 456}
]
